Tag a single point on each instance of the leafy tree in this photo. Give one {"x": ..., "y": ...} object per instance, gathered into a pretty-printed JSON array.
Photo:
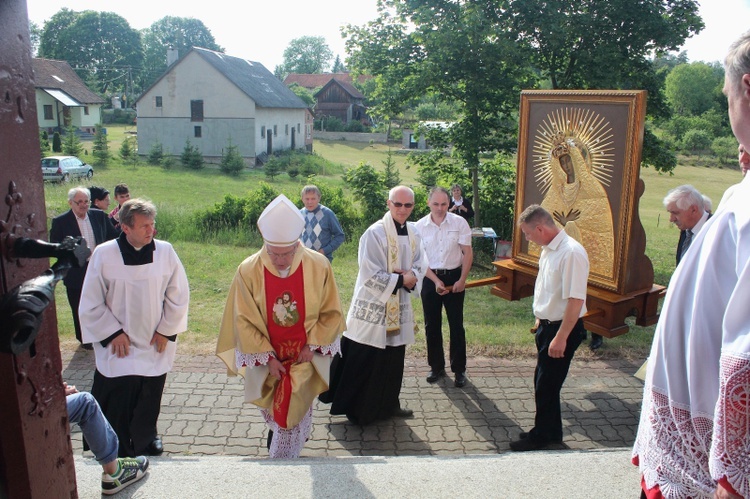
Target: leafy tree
[
  {"x": 338, "y": 66},
  {"x": 231, "y": 161},
  {"x": 667, "y": 62},
  {"x": 691, "y": 88},
  {"x": 100, "y": 149},
  {"x": 463, "y": 52},
  {"x": 35, "y": 35},
  {"x": 101, "y": 46},
  {"x": 306, "y": 55},
  {"x": 180, "y": 33},
  {"x": 725, "y": 148},
  {"x": 303, "y": 93},
  {"x": 589, "y": 44},
  {"x": 368, "y": 188},
  {"x": 696, "y": 141},
  {"x": 56, "y": 142},
  {"x": 71, "y": 144}
]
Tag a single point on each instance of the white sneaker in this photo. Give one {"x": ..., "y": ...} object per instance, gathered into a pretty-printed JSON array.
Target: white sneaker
[{"x": 132, "y": 469}]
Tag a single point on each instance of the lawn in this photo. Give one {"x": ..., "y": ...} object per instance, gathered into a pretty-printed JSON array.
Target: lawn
[{"x": 494, "y": 326}]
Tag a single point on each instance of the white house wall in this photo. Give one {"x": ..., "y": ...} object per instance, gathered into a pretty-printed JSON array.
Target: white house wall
[
  {"x": 77, "y": 117},
  {"x": 227, "y": 112}
]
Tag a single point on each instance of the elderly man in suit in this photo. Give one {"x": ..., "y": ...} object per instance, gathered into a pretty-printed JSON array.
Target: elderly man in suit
[
  {"x": 94, "y": 227},
  {"x": 687, "y": 211}
]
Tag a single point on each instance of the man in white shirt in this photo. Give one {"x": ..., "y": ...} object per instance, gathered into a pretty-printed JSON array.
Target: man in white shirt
[
  {"x": 446, "y": 240},
  {"x": 687, "y": 211},
  {"x": 559, "y": 304}
]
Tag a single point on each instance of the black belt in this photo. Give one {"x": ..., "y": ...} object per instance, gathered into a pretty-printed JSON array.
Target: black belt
[
  {"x": 446, "y": 271},
  {"x": 545, "y": 323}
]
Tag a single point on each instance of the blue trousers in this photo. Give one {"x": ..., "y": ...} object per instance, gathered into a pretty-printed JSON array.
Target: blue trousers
[{"x": 84, "y": 410}]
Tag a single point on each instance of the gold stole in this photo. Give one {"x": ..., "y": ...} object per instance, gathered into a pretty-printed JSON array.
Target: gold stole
[{"x": 393, "y": 304}]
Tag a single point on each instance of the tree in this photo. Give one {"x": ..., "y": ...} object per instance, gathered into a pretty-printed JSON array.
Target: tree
[
  {"x": 231, "y": 161},
  {"x": 303, "y": 93},
  {"x": 463, "y": 52},
  {"x": 100, "y": 46},
  {"x": 71, "y": 144},
  {"x": 100, "y": 149},
  {"x": 35, "y": 36},
  {"x": 126, "y": 149},
  {"x": 338, "y": 66},
  {"x": 56, "y": 142},
  {"x": 692, "y": 89},
  {"x": 589, "y": 44},
  {"x": 306, "y": 55},
  {"x": 180, "y": 33}
]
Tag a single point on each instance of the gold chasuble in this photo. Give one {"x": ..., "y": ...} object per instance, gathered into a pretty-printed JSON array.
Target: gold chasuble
[{"x": 268, "y": 315}]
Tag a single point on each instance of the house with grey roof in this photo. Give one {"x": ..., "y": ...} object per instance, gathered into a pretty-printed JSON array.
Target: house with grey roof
[
  {"x": 208, "y": 98},
  {"x": 63, "y": 99}
]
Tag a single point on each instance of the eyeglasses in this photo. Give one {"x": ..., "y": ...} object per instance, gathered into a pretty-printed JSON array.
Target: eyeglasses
[
  {"x": 402, "y": 205},
  {"x": 81, "y": 202},
  {"x": 288, "y": 254}
]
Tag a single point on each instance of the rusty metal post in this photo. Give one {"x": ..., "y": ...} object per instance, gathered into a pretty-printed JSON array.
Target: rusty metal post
[{"x": 35, "y": 451}]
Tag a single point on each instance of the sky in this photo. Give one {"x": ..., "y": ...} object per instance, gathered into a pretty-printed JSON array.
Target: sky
[{"x": 261, "y": 30}]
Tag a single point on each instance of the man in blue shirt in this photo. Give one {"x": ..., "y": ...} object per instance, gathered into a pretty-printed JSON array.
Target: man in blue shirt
[{"x": 322, "y": 232}]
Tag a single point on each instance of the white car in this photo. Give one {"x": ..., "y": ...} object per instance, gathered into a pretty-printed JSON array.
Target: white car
[{"x": 65, "y": 168}]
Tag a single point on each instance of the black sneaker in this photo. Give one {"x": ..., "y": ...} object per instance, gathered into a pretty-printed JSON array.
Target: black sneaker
[{"x": 132, "y": 469}]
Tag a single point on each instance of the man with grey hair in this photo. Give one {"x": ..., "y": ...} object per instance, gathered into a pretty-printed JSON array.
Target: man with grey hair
[
  {"x": 693, "y": 439},
  {"x": 322, "y": 232},
  {"x": 687, "y": 211},
  {"x": 134, "y": 304},
  {"x": 366, "y": 383},
  {"x": 94, "y": 227}
]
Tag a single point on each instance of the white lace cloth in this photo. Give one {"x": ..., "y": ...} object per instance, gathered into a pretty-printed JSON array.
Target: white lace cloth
[
  {"x": 685, "y": 453},
  {"x": 288, "y": 443},
  {"x": 251, "y": 360}
]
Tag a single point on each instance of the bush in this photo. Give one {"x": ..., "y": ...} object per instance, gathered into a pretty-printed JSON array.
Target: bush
[
  {"x": 127, "y": 151},
  {"x": 156, "y": 153},
  {"x": 168, "y": 162},
  {"x": 292, "y": 171},
  {"x": 56, "y": 142},
  {"x": 332, "y": 124},
  {"x": 231, "y": 162},
  {"x": 120, "y": 116},
  {"x": 44, "y": 143},
  {"x": 100, "y": 149},
  {"x": 696, "y": 141},
  {"x": 368, "y": 188},
  {"x": 71, "y": 144},
  {"x": 191, "y": 156},
  {"x": 725, "y": 148},
  {"x": 274, "y": 166},
  {"x": 497, "y": 195},
  {"x": 354, "y": 126}
]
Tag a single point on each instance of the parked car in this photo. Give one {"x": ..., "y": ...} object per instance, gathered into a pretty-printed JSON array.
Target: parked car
[{"x": 65, "y": 168}]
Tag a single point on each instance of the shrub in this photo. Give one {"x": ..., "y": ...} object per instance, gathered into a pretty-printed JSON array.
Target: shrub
[
  {"x": 71, "y": 143},
  {"x": 191, "y": 156},
  {"x": 231, "y": 162},
  {"x": 56, "y": 142},
  {"x": 696, "y": 141},
  {"x": 126, "y": 149},
  {"x": 391, "y": 176},
  {"x": 273, "y": 167},
  {"x": 156, "y": 153},
  {"x": 725, "y": 148},
  {"x": 354, "y": 126},
  {"x": 497, "y": 195},
  {"x": 332, "y": 124},
  {"x": 292, "y": 171},
  {"x": 168, "y": 162},
  {"x": 368, "y": 188},
  {"x": 44, "y": 143},
  {"x": 100, "y": 149}
]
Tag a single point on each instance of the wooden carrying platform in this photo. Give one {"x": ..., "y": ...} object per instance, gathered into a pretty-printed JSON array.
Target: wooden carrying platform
[{"x": 607, "y": 310}]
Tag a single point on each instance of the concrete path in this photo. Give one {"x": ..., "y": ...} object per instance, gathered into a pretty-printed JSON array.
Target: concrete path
[{"x": 462, "y": 434}]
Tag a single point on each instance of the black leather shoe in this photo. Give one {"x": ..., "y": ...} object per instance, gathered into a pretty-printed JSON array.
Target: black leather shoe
[
  {"x": 527, "y": 444},
  {"x": 87, "y": 346},
  {"x": 155, "y": 448},
  {"x": 596, "y": 341},
  {"x": 433, "y": 376},
  {"x": 403, "y": 413},
  {"x": 460, "y": 380},
  {"x": 525, "y": 434}
]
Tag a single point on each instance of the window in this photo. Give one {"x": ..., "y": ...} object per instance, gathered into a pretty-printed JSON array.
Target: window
[
  {"x": 262, "y": 132},
  {"x": 275, "y": 131},
  {"x": 198, "y": 133},
  {"x": 48, "y": 112},
  {"x": 286, "y": 129},
  {"x": 86, "y": 110},
  {"x": 298, "y": 128},
  {"x": 196, "y": 110},
  {"x": 158, "y": 101}
]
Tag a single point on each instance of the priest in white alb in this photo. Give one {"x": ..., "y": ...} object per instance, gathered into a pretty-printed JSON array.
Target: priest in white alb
[
  {"x": 366, "y": 383},
  {"x": 281, "y": 327}
]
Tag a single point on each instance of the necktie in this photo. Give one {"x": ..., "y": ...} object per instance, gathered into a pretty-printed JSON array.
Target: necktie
[{"x": 686, "y": 243}]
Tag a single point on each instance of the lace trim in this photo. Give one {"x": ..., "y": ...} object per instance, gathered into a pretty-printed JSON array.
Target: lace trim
[
  {"x": 288, "y": 443},
  {"x": 730, "y": 453},
  {"x": 332, "y": 349},
  {"x": 251, "y": 359},
  {"x": 672, "y": 448}
]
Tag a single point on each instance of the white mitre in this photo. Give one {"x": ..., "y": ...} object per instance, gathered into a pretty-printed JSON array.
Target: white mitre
[{"x": 281, "y": 223}]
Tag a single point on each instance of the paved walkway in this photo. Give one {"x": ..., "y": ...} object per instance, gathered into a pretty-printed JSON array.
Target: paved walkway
[{"x": 202, "y": 411}]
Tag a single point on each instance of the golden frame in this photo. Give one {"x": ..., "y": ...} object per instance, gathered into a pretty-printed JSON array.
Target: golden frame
[{"x": 593, "y": 137}]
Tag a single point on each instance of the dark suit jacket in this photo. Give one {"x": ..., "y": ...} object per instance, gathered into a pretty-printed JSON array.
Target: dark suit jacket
[
  {"x": 66, "y": 225},
  {"x": 682, "y": 241},
  {"x": 467, "y": 215}
]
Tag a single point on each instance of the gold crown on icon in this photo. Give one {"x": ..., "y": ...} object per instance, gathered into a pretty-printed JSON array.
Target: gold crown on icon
[{"x": 560, "y": 146}]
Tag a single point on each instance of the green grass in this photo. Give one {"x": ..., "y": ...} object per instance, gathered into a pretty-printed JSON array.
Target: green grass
[{"x": 494, "y": 326}]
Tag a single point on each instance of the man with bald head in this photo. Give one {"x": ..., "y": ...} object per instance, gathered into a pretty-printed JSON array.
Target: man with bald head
[{"x": 366, "y": 383}]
